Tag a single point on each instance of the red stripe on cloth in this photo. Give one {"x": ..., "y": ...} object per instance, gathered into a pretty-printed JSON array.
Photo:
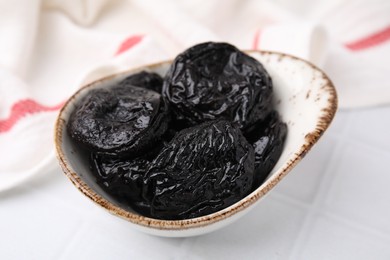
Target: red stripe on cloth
[
  {"x": 256, "y": 40},
  {"x": 23, "y": 108},
  {"x": 129, "y": 43},
  {"x": 370, "y": 41}
]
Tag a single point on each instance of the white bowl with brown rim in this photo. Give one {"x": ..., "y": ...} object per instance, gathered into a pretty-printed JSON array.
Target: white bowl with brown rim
[{"x": 305, "y": 98}]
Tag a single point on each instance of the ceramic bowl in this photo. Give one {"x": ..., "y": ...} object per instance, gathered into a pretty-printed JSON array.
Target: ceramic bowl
[{"x": 304, "y": 97}]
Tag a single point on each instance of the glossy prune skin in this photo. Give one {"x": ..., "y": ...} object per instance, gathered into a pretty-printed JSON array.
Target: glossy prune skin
[
  {"x": 268, "y": 139},
  {"x": 202, "y": 170},
  {"x": 121, "y": 121},
  {"x": 121, "y": 178},
  {"x": 144, "y": 79},
  {"x": 216, "y": 80}
]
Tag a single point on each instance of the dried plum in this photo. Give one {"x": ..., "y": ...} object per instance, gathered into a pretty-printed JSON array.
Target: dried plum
[
  {"x": 122, "y": 120},
  {"x": 268, "y": 139},
  {"x": 202, "y": 170},
  {"x": 144, "y": 79},
  {"x": 121, "y": 178},
  {"x": 221, "y": 141},
  {"x": 215, "y": 80}
]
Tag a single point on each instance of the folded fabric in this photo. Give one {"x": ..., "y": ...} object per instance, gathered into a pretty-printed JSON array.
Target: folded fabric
[{"x": 50, "y": 48}]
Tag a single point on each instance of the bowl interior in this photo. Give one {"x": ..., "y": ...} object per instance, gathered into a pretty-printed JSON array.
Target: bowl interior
[{"x": 304, "y": 97}]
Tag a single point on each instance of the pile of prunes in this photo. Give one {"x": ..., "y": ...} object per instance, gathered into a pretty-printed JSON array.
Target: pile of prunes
[{"x": 186, "y": 145}]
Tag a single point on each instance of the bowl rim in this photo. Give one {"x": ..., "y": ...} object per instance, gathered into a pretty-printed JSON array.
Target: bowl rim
[{"x": 310, "y": 139}]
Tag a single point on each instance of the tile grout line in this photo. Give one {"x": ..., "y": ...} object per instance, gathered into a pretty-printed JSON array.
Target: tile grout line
[
  {"x": 291, "y": 200},
  {"x": 356, "y": 225},
  {"x": 359, "y": 142},
  {"x": 343, "y": 140},
  {"x": 75, "y": 238},
  {"x": 314, "y": 207},
  {"x": 341, "y": 218}
]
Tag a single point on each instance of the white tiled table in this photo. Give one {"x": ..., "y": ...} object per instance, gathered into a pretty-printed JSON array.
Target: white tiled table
[{"x": 334, "y": 205}]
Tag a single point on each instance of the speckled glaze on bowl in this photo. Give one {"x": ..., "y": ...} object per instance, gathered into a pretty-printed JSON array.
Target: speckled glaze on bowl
[{"x": 304, "y": 97}]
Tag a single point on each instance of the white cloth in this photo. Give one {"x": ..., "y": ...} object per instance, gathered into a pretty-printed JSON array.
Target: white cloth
[{"x": 48, "y": 49}]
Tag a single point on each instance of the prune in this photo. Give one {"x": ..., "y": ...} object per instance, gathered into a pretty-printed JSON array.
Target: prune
[
  {"x": 203, "y": 169},
  {"x": 268, "y": 139},
  {"x": 120, "y": 121},
  {"x": 219, "y": 144},
  {"x": 121, "y": 178},
  {"x": 216, "y": 80},
  {"x": 144, "y": 79}
]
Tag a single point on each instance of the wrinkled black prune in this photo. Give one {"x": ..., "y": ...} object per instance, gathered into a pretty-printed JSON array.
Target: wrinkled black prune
[
  {"x": 121, "y": 178},
  {"x": 216, "y": 80},
  {"x": 144, "y": 79},
  {"x": 219, "y": 144},
  {"x": 268, "y": 139},
  {"x": 202, "y": 170},
  {"x": 120, "y": 121}
]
